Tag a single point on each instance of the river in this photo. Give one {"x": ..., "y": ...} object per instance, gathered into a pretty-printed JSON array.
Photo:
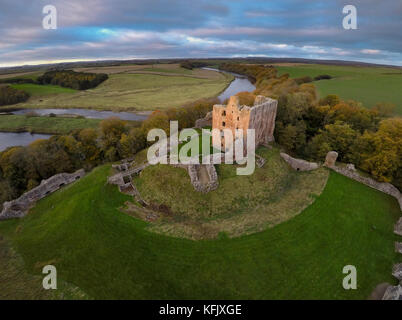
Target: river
[
  {"x": 87, "y": 113},
  {"x": 239, "y": 84},
  {"x": 8, "y": 139}
]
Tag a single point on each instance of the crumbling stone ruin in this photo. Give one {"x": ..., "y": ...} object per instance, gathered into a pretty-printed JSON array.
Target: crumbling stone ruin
[
  {"x": 299, "y": 164},
  {"x": 398, "y": 247},
  {"x": 398, "y": 227},
  {"x": 397, "y": 271},
  {"x": 393, "y": 293},
  {"x": 203, "y": 122},
  {"x": 18, "y": 208},
  {"x": 330, "y": 159},
  {"x": 124, "y": 164},
  {"x": 260, "y": 117},
  {"x": 204, "y": 177}
]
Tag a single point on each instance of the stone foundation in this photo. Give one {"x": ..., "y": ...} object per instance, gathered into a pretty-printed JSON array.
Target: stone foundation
[
  {"x": 18, "y": 208},
  {"x": 195, "y": 172}
]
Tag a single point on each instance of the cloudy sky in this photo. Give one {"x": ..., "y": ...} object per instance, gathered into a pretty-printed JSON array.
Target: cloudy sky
[{"x": 129, "y": 29}]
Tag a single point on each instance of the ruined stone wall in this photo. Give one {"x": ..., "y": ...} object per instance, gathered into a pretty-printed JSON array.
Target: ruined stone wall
[
  {"x": 19, "y": 207},
  {"x": 260, "y": 117},
  {"x": 199, "y": 185},
  {"x": 203, "y": 122},
  {"x": 299, "y": 164}
]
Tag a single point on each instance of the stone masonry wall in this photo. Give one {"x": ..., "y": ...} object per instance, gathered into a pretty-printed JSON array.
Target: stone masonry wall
[
  {"x": 261, "y": 117},
  {"x": 19, "y": 207},
  {"x": 299, "y": 164}
]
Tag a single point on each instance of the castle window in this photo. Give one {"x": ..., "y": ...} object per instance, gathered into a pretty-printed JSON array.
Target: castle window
[
  {"x": 238, "y": 118},
  {"x": 224, "y": 113},
  {"x": 223, "y": 123}
]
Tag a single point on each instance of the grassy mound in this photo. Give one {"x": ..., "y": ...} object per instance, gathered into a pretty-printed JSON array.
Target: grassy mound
[
  {"x": 241, "y": 204},
  {"x": 109, "y": 254}
]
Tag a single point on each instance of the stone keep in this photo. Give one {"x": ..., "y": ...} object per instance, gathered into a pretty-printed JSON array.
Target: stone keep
[{"x": 261, "y": 117}]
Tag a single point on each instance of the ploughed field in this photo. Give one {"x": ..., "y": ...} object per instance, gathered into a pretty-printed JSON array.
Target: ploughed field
[
  {"x": 106, "y": 253},
  {"x": 132, "y": 88},
  {"x": 369, "y": 85}
]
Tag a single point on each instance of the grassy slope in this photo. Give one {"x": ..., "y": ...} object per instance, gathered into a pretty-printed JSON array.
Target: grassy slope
[
  {"x": 137, "y": 92},
  {"x": 110, "y": 255},
  {"x": 42, "y": 90},
  {"x": 17, "y": 283},
  {"x": 51, "y": 125},
  {"x": 364, "y": 84}
]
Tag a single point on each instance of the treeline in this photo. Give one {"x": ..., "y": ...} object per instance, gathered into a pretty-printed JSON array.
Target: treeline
[
  {"x": 9, "y": 95},
  {"x": 192, "y": 64},
  {"x": 309, "y": 127},
  {"x": 72, "y": 79},
  {"x": 23, "y": 168}
]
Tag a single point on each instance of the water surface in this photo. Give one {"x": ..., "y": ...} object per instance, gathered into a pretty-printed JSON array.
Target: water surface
[
  {"x": 87, "y": 113},
  {"x": 9, "y": 139}
]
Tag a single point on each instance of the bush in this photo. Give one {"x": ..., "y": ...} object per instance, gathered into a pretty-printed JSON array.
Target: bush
[
  {"x": 72, "y": 79},
  {"x": 9, "y": 95},
  {"x": 322, "y": 77}
]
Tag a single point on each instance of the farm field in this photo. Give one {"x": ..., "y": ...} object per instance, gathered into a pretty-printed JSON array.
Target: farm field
[
  {"x": 42, "y": 90},
  {"x": 369, "y": 85},
  {"x": 50, "y": 125},
  {"x": 133, "y": 89},
  {"x": 81, "y": 231}
]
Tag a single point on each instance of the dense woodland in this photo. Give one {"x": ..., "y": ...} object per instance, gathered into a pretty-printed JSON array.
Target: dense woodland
[
  {"x": 23, "y": 168},
  {"x": 72, "y": 79},
  {"x": 192, "y": 64},
  {"x": 9, "y": 95}
]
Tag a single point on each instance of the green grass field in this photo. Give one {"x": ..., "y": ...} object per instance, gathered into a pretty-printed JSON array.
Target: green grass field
[
  {"x": 51, "y": 125},
  {"x": 136, "y": 91},
  {"x": 108, "y": 254},
  {"x": 42, "y": 90},
  {"x": 369, "y": 85}
]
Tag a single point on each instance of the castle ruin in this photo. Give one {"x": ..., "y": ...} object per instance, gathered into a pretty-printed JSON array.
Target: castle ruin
[{"x": 260, "y": 117}]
